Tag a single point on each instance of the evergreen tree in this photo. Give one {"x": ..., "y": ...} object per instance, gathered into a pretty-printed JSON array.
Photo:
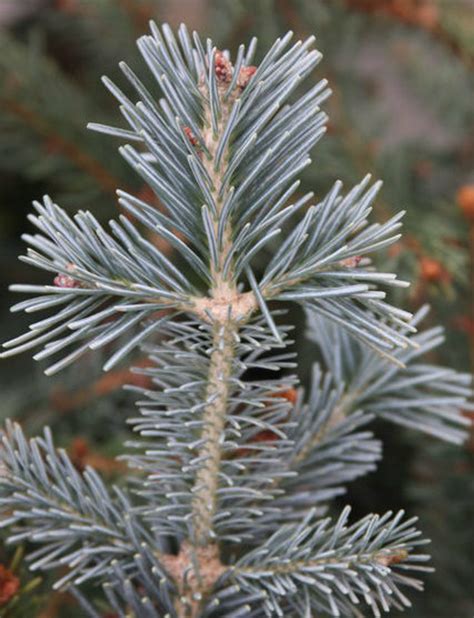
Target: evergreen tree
[{"x": 233, "y": 466}]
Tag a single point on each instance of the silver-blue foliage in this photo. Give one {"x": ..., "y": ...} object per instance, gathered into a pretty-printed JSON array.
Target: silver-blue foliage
[{"x": 230, "y": 475}]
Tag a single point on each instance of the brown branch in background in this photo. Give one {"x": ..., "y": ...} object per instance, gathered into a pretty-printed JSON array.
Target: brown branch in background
[
  {"x": 147, "y": 195},
  {"x": 423, "y": 14},
  {"x": 56, "y": 142},
  {"x": 82, "y": 456},
  {"x": 64, "y": 401}
]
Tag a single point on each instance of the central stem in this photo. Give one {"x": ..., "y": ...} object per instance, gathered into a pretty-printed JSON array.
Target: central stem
[
  {"x": 217, "y": 393},
  {"x": 201, "y": 555}
]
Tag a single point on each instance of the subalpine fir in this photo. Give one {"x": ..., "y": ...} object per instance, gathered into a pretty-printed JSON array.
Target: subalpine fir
[{"x": 235, "y": 464}]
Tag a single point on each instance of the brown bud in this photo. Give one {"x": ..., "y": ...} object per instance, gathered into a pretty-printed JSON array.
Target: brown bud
[
  {"x": 387, "y": 557},
  {"x": 223, "y": 67},
  {"x": 63, "y": 280},
  {"x": 351, "y": 262},
  {"x": 245, "y": 75},
  {"x": 190, "y": 135}
]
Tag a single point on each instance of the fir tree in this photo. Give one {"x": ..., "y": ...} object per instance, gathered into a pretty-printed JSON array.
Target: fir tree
[{"x": 233, "y": 465}]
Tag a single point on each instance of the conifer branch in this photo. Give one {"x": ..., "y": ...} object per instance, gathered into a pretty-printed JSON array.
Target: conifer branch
[
  {"x": 312, "y": 558},
  {"x": 230, "y": 473},
  {"x": 73, "y": 517}
]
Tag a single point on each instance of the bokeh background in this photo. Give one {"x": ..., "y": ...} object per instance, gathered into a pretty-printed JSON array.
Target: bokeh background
[{"x": 402, "y": 108}]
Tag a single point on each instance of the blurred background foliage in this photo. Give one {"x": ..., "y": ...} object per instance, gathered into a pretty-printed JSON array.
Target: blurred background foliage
[{"x": 402, "y": 108}]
